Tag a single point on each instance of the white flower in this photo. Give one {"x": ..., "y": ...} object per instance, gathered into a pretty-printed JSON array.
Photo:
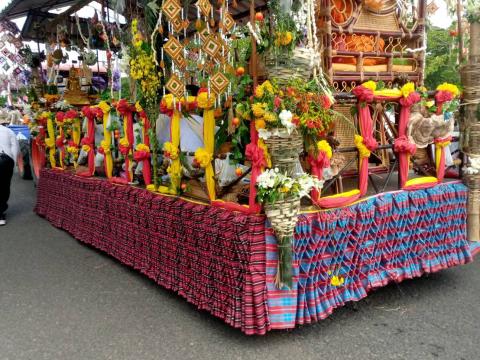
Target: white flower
[
  {"x": 286, "y": 116},
  {"x": 307, "y": 183},
  {"x": 264, "y": 134},
  {"x": 286, "y": 120}
]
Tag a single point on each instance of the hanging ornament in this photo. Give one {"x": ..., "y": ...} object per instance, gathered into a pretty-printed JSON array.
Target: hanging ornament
[
  {"x": 205, "y": 7},
  {"x": 171, "y": 9},
  {"x": 175, "y": 86}
]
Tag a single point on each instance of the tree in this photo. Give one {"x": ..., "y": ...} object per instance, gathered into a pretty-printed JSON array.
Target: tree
[{"x": 441, "y": 60}]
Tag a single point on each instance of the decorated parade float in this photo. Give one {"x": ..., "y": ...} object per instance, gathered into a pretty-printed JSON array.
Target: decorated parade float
[{"x": 269, "y": 161}]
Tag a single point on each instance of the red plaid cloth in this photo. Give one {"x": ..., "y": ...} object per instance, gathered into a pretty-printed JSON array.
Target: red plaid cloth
[{"x": 212, "y": 257}]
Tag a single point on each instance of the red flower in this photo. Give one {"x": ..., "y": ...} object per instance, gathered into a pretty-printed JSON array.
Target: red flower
[
  {"x": 325, "y": 101},
  {"x": 277, "y": 101},
  {"x": 290, "y": 91},
  {"x": 71, "y": 114},
  {"x": 59, "y": 141},
  {"x": 296, "y": 120},
  {"x": 60, "y": 116},
  {"x": 310, "y": 124}
]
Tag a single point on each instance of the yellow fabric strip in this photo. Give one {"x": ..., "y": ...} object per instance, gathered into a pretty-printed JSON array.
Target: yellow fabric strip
[
  {"x": 50, "y": 142},
  {"x": 175, "y": 168},
  {"x": 107, "y": 135},
  {"x": 421, "y": 180},
  {"x": 76, "y": 131},
  {"x": 209, "y": 142},
  {"x": 344, "y": 194},
  {"x": 60, "y": 130}
]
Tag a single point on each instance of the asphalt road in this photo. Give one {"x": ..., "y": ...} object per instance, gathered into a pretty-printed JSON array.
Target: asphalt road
[{"x": 60, "y": 299}]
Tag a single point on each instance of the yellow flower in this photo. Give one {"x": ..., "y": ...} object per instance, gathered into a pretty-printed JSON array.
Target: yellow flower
[
  {"x": 72, "y": 150},
  {"x": 86, "y": 148},
  {"x": 269, "y": 116},
  {"x": 372, "y": 85},
  {"x": 362, "y": 149},
  {"x": 287, "y": 38},
  {"x": 259, "y": 124},
  {"x": 422, "y": 89},
  {"x": 124, "y": 142},
  {"x": 105, "y": 146},
  {"x": 259, "y": 92},
  {"x": 168, "y": 101},
  {"x": 204, "y": 101},
  {"x": 337, "y": 280},
  {"x": 203, "y": 157},
  {"x": 324, "y": 146},
  {"x": 407, "y": 89},
  {"x": 104, "y": 107},
  {"x": 50, "y": 142},
  {"x": 453, "y": 89},
  {"x": 267, "y": 85},
  {"x": 430, "y": 103},
  {"x": 142, "y": 147},
  {"x": 258, "y": 109},
  {"x": 138, "y": 107},
  {"x": 171, "y": 150}
]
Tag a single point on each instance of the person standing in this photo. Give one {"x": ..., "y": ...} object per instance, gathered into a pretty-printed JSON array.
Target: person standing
[{"x": 8, "y": 156}]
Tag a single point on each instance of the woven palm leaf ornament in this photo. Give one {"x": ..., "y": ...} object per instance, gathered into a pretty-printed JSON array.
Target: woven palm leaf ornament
[{"x": 199, "y": 57}]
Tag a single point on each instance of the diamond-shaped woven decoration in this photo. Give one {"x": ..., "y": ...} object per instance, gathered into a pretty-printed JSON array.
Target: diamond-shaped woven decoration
[
  {"x": 173, "y": 47},
  {"x": 180, "y": 61},
  {"x": 222, "y": 55},
  {"x": 219, "y": 83},
  {"x": 177, "y": 25},
  {"x": 212, "y": 46},
  {"x": 175, "y": 86},
  {"x": 171, "y": 9},
  {"x": 204, "y": 6},
  {"x": 228, "y": 22},
  {"x": 204, "y": 33}
]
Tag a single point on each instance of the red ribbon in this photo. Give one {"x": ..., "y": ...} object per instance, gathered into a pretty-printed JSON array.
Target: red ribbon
[
  {"x": 441, "y": 97},
  {"x": 317, "y": 165},
  {"x": 144, "y": 157},
  {"x": 255, "y": 154},
  {"x": 125, "y": 109},
  {"x": 363, "y": 94},
  {"x": 60, "y": 116},
  {"x": 89, "y": 139}
]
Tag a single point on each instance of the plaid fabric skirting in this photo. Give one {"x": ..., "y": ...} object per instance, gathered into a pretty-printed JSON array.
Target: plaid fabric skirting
[
  {"x": 342, "y": 254},
  {"x": 225, "y": 262},
  {"x": 212, "y": 257}
]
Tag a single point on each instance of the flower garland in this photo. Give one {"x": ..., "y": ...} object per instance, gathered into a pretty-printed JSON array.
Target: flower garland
[{"x": 142, "y": 64}]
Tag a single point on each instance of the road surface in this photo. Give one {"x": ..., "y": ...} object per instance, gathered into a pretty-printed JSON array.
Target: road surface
[{"x": 63, "y": 300}]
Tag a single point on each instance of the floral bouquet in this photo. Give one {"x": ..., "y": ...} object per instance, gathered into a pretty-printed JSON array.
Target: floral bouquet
[{"x": 281, "y": 195}]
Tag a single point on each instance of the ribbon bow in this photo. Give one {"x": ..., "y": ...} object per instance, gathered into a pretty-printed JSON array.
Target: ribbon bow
[
  {"x": 124, "y": 108},
  {"x": 411, "y": 99},
  {"x": 363, "y": 94},
  {"x": 403, "y": 145}
]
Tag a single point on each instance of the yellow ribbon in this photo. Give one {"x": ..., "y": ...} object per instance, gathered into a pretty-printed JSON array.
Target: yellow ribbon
[
  {"x": 50, "y": 142},
  {"x": 206, "y": 103},
  {"x": 107, "y": 139},
  {"x": 438, "y": 152},
  {"x": 175, "y": 168},
  {"x": 362, "y": 149}
]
